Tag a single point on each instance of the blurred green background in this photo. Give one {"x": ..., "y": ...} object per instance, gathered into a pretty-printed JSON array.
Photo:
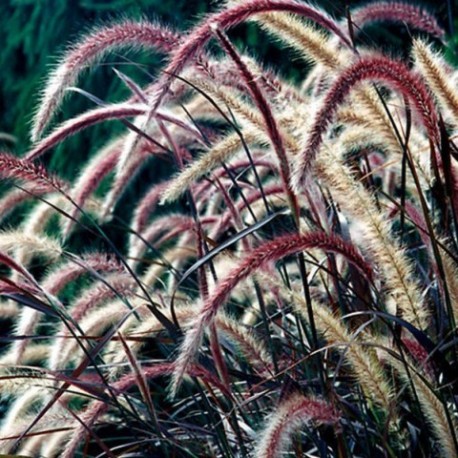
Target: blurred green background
[{"x": 36, "y": 32}]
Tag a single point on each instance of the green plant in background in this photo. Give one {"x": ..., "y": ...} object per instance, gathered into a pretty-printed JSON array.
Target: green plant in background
[{"x": 285, "y": 285}]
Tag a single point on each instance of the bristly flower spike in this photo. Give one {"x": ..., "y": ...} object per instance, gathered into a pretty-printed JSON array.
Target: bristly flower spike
[
  {"x": 15, "y": 197},
  {"x": 268, "y": 252},
  {"x": 297, "y": 410},
  {"x": 434, "y": 70},
  {"x": 231, "y": 17},
  {"x": 141, "y": 34},
  {"x": 103, "y": 163},
  {"x": 89, "y": 118},
  {"x": 144, "y": 209},
  {"x": 377, "y": 69},
  {"x": 225, "y": 19},
  {"x": 12, "y": 167},
  {"x": 412, "y": 15}
]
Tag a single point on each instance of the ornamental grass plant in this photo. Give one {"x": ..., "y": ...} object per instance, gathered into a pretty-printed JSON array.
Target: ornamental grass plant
[{"x": 286, "y": 287}]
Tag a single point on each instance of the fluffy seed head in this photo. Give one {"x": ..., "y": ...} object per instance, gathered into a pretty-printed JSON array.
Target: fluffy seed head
[
  {"x": 412, "y": 15},
  {"x": 377, "y": 69},
  {"x": 125, "y": 34},
  {"x": 297, "y": 410},
  {"x": 268, "y": 252}
]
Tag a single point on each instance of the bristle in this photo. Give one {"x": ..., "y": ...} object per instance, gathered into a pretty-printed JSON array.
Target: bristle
[
  {"x": 375, "y": 230},
  {"x": 413, "y": 16},
  {"x": 87, "y": 119},
  {"x": 229, "y": 18},
  {"x": 15, "y": 168},
  {"x": 385, "y": 70},
  {"x": 88, "y": 51},
  {"x": 432, "y": 407},
  {"x": 434, "y": 70},
  {"x": 221, "y": 152},
  {"x": 102, "y": 164},
  {"x": 267, "y": 253},
  {"x": 289, "y": 416}
]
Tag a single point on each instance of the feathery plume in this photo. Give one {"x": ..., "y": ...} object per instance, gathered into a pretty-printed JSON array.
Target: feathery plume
[
  {"x": 52, "y": 284},
  {"x": 248, "y": 118},
  {"x": 412, "y": 15},
  {"x": 126, "y": 174},
  {"x": 432, "y": 407},
  {"x": 10, "y": 200},
  {"x": 247, "y": 342},
  {"x": 145, "y": 207},
  {"x": 231, "y": 17},
  {"x": 33, "y": 225},
  {"x": 270, "y": 123},
  {"x": 131, "y": 34},
  {"x": 32, "y": 354},
  {"x": 69, "y": 271},
  {"x": 434, "y": 70},
  {"x": 207, "y": 162},
  {"x": 16, "y": 267},
  {"x": 224, "y": 74},
  {"x": 242, "y": 138},
  {"x": 374, "y": 228},
  {"x": 267, "y": 253},
  {"x": 367, "y": 368},
  {"x": 451, "y": 279},
  {"x": 37, "y": 244},
  {"x": 12, "y": 167},
  {"x": 91, "y": 117},
  {"x": 19, "y": 409},
  {"x": 419, "y": 356},
  {"x": 391, "y": 72},
  {"x": 310, "y": 43},
  {"x": 116, "y": 285},
  {"x": 250, "y": 346},
  {"x": 291, "y": 414},
  {"x": 94, "y": 323}
]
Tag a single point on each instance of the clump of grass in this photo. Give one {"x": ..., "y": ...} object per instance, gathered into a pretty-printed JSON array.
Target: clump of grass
[{"x": 287, "y": 285}]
